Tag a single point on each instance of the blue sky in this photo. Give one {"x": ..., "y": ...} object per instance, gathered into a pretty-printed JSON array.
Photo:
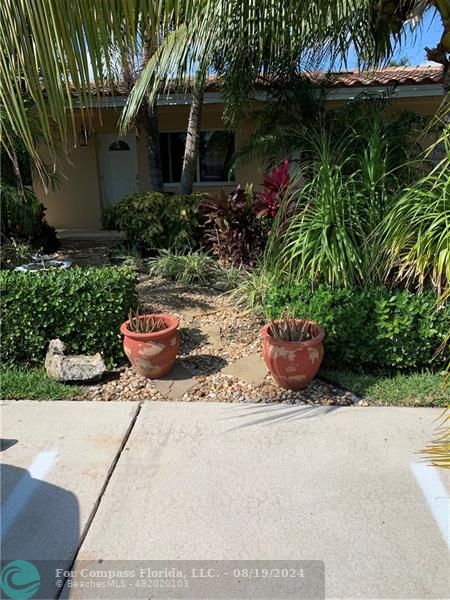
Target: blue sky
[
  {"x": 426, "y": 35},
  {"x": 414, "y": 43}
]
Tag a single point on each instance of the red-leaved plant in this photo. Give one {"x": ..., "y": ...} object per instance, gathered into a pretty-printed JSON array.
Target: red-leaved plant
[
  {"x": 275, "y": 185},
  {"x": 231, "y": 229}
]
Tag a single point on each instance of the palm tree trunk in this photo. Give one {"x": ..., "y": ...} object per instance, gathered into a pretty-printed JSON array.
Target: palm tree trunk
[
  {"x": 150, "y": 121},
  {"x": 17, "y": 173},
  {"x": 192, "y": 138}
]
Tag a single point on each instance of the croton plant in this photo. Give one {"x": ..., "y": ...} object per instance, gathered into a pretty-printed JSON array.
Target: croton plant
[
  {"x": 275, "y": 185},
  {"x": 237, "y": 224},
  {"x": 232, "y": 230}
]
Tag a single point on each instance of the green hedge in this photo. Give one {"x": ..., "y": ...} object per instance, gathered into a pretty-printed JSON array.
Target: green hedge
[
  {"x": 82, "y": 307},
  {"x": 154, "y": 221},
  {"x": 376, "y": 329}
]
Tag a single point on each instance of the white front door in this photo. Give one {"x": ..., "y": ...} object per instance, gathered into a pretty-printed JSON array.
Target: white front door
[{"x": 118, "y": 164}]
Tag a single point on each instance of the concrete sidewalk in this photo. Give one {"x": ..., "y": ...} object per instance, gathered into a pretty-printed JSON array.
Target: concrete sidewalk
[
  {"x": 229, "y": 481},
  {"x": 55, "y": 460},
  {"x": 220, "y": 481}
]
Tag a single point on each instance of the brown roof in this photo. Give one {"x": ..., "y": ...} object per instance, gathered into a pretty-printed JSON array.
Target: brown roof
[{"x": 389, "y": 76}]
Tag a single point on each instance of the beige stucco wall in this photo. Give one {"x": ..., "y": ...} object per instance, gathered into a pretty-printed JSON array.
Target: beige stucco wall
[{"x": 76, "y": 203}]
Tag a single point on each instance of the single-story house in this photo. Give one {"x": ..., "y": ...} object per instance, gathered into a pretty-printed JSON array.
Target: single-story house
[{"x": 102, "y": 169}]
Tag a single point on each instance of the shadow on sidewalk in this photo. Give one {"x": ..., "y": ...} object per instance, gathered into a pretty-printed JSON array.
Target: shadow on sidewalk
[
  {"x": 277, "y": 412},
  {"x": 39, "y": 524}
]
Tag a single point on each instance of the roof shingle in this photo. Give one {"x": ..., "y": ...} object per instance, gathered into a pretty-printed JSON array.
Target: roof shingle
[{"x": 389, "y": 76}]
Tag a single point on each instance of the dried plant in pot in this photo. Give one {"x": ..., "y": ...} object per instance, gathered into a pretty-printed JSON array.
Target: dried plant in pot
[
  {"x": 293, "y": 351},
  {"x": 151, "y": 343}
]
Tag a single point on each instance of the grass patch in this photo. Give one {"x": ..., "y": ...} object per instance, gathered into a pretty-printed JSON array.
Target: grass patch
[
  {"x": 18, "y": 383},
  {"x": 418, "y": 389}
]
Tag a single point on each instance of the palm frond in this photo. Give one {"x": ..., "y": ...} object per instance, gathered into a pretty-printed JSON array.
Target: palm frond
[
  {"x": 51, "y": 49},
  {"x": 437, "y": 453}
]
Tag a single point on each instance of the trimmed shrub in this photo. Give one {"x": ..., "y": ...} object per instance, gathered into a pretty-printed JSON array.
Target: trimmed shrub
[
  {"x": 154, "y": 221},
  {"x": 377, "y": 329},
  {"x": 82, "y": 307}
]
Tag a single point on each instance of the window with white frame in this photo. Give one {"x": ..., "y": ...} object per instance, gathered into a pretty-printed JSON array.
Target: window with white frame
[{"x": 216, "y": 149}]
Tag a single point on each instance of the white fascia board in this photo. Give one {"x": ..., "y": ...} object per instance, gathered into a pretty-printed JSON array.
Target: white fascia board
[
  {"x": 344, "y": 93},
  {"x": 171, "y": 100},
  {"x": 103, "y": 102},
  {"x": 180, "y": 99}
]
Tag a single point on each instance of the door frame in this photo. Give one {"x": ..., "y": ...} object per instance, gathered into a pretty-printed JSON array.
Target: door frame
[{"x": 101, "y": 178}]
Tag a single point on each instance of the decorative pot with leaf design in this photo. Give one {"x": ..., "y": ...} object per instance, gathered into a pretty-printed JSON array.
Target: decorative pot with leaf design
[
  {"x": 293, "y": 364},
  {"x": 151, "y": 343}
]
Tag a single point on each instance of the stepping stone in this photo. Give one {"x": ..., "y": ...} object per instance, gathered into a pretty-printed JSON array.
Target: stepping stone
[
  {"x": 190, "y": 312},
  {"x": 176, "y": 383},
  {"x": 251, "y": 369},
  {"x": 207, "y": 335}
]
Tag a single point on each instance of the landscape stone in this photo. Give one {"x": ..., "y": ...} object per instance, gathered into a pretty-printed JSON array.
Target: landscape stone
[
  {"x": 208, "y": 334},
  {"x": 71, "y": 368},
  {"x": 251, "y": 368},
  {"x": 174, "y": 385}
]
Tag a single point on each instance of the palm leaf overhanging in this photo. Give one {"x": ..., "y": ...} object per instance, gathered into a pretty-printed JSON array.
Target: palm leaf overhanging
[
  {"x": 52, "y": 50},
  {"x": 438, "y": 451}
]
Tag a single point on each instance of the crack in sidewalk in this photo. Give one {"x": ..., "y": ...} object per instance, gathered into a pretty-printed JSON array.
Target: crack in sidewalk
[{"x": 109, "y": 474}]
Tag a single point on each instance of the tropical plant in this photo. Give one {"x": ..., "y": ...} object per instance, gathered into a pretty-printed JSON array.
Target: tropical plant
[
  {"x": 22, "y": 216},
  {"x": 154, "y": 221},
  {"x": 417, "y": 230},
  {"x": 23, "y": 220},
  {"x": 229, "y": 278},
  {"x": 417, "y": 227},
  {"x": 232, "y": 230},
  {"x": 289, "y": 329},
  {"x": 438, "y": 450},
  {"x": 293, "y": 103},
  {"x": 144, "y": 323},
  {"x": 195, "y": 267},
  {"x": 189, "y": 167},
  {"x": 128, "y": 256},
  {"x": 146, "y": 117},
  {"x": 437, "y": 453},
  {"x": 191, "y": 267},
  {"x": 41, "y": 56},
  {"x": 389, "y": 18},
  {"x": 394, "y": 140},
  {"x": 14, "y": 253},
  {"x": 323, "y": 237},
  {"x": 275, "y": 186},
  {"x": 327, "y": 227}
]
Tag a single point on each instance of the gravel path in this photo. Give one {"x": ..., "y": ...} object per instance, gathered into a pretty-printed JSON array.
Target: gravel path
[{"x": 214, "y": 333}]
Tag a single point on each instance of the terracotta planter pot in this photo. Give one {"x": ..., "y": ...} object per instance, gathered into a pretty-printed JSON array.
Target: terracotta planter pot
[
  {"x": 152, "y": 354},
  {"x": 293, "y": 364}
]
